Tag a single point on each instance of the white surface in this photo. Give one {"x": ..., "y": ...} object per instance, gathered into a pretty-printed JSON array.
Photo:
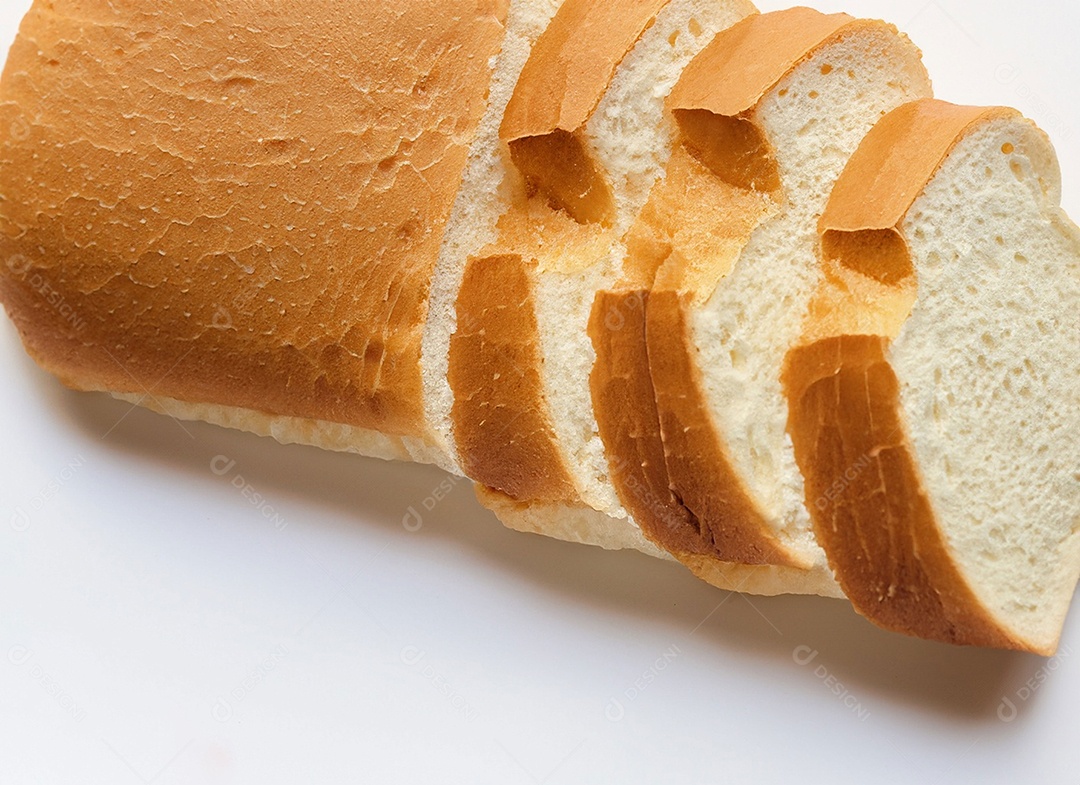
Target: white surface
[{"x": 155, "y": 627}]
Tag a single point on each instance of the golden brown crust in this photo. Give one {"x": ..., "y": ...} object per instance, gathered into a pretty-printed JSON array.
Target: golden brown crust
[
  {"x": 713, "y": 515},
  {"x": 568, "y": 72},
  {"x": 861, "y": 226},
  {"x": 866, "y": 497},
  {"x": 864, "y": 491},
  {"x": 716, "y": 116},
  {"x": 215, "y": 236},
  {"x": 676, "y": 250},
  {"x": 501, "y": 426},
  {"x": 502, "y": 421},
  {"x": 501, "y": 418},
  {"x": 896, "y": 160},
  {"x": 625, "y": 407},
  {"x": 758, "y": 53},
  {"x": 624, "y": 401},
  {"x": 752, "y": 57},
  {"x": 573, "y": 63},
  {"x": 728, "y": 525},
  {"x": 690, "y": 251}
]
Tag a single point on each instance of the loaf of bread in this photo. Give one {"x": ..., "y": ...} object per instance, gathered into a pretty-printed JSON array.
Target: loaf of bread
[{"x": 726, "y": 288}]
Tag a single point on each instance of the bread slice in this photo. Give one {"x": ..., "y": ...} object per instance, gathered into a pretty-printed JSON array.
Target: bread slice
[
  {"x": 586, "y": 129},
  {"x": 488, "y": 189},
  {"x": 934, "y": 407},
  {"x": 731, "y": 284},
  {"x": 240, "y": 224}
]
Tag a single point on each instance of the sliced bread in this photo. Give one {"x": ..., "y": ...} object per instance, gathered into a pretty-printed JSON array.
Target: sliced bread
[
  {"x": 731, "y": 287},
  {"x": 489, "y": 187},
  {"x": 521, "y": 412},
  {"x": 934, "y": 405}
]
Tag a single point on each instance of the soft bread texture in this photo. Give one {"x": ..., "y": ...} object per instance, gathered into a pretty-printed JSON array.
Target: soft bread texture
[
  {"x": 633, "y": 139},
  {"x": 189, "y": 194},
  {"x": 716, "y": 345},
  {"x": 489, "y": 186},
  {"x": 938, "y": 437},
  {"x": 565, "y": 250}
]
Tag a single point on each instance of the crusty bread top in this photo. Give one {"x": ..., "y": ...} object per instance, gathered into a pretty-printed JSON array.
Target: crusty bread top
[
  {"x": 860, "y": 228},
  {"x": 746, "y": 61},
  {"x": 249, "y": 216},
  {"x": 717, "y": 116},
  {"x": 870, "y": 284},
  {"x": 573, "y": 63},
  {"x": 568, "y": 72},
  {"x": 899, "y": 156}
]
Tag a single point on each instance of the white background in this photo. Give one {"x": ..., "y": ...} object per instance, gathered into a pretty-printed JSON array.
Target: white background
[{"x": 155, "y": 628}]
